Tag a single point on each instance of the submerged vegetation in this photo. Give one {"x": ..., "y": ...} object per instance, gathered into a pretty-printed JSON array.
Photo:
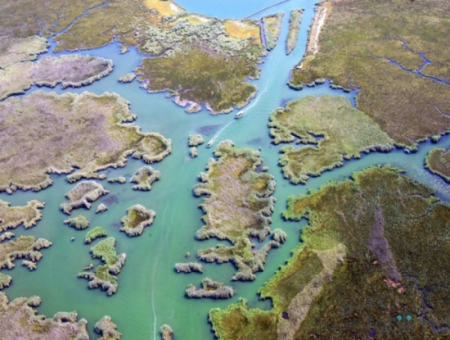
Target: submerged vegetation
[
  {"x": 295, "y": 20},
  {"x": 25, "y": 247},
  {"x": 377, "y": 47},
  {"x": 46, "y": 133},
  {"x": 19, "y": 320},
  {"x": 12, "y": 217},
  {"x": 238, "y": 206},
  {"x": 105, "y": 276},
  {"x": 137, "y": 218},
  {"x": 364, "y": 262},
  {"x": 272, "y": 29},
  {"x": 438, "y": 162},
  {"x": 346, "y": 131}
]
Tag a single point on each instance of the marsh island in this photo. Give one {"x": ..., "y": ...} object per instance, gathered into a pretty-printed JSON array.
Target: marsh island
[
  {"x": 355, "y": 224},
  {"x": 238, "y": 205},
  {"x": 105, "y": 275}
]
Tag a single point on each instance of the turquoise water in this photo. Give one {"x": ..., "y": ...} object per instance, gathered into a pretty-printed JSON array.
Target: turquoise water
[{"x": 150, "y": 292}]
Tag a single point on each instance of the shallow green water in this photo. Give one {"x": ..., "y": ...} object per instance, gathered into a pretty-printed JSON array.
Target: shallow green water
[{"x": 150, "y": 292}]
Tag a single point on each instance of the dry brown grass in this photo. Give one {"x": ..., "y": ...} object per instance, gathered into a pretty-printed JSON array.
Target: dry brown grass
[
  {"x": 12, "y": 217},
  {"x": 243, "y": 29},
  {"x": 18, "y": 320},
  {"x": 68, "y": 70},
  {"x": 68, "y": 131},
  {"x": 238, "y": 205},
  {"x": 356, "y": 44},
  {"x": 164, "y": 8},
  {"x": 438, "y": 162}
]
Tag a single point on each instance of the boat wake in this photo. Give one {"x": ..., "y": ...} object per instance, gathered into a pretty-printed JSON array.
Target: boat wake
[{"x": 213, "y": 140}]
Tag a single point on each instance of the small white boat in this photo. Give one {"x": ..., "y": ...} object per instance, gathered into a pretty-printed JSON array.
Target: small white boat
[
  {"x": 210, "y": 143},
  {"x": 239, "y": 114}
]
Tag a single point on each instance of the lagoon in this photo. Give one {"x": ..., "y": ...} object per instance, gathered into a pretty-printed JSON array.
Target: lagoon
[{"x": 150, "y": 292}]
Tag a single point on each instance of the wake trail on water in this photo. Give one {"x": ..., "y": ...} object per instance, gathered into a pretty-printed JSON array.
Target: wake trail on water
[
  {"x": 213, "y": 140},
  {"x": 152, "y": 292},
  {"x": 252, "y": 104}
]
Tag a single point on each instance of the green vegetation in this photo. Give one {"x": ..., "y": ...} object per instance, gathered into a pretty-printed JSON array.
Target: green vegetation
[
  {"x": 346, "y": 131},
  {"x": 68, "y": 70},
  {"x": 107, "y": 328},
  {"x": 81, "y": 196},
  {"x": 295, "y": 20},
  {"x": 237, "y": 322},
  {"x": 144, "y": 178},
  {"x": 137, "y": 218},
  {"x": 80, "y": 222},
  {"x": 199, "y": 59},
  {"x": 272, "y": 29},
  {"x": 210, "y": 289},
  {"x": 438, "y": 162},
  {"x": 238, "y": 206},
  {"x": 355, "y": 48},
  {"x": 18, "y": 320},
  {"x": 45, "y": 133},
  {"x": 166, "y": 332},
  {"x": 94, "y": 234},
  {"x": 367, "y": 257},
  {"x": 12, "y": 217},
  {"x": 202, "y": 77},
  {"x": 25, "y": 247},
  {"x": 105, "y": 276},
  {"x": 161, "y": 29}
]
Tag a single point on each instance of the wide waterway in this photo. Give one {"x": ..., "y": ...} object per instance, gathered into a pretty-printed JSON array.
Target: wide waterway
[{"x": 150, "y": 292}]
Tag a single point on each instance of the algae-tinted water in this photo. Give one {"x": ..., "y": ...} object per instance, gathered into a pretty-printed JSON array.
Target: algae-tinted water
[{"x": 150, "y": 292}]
